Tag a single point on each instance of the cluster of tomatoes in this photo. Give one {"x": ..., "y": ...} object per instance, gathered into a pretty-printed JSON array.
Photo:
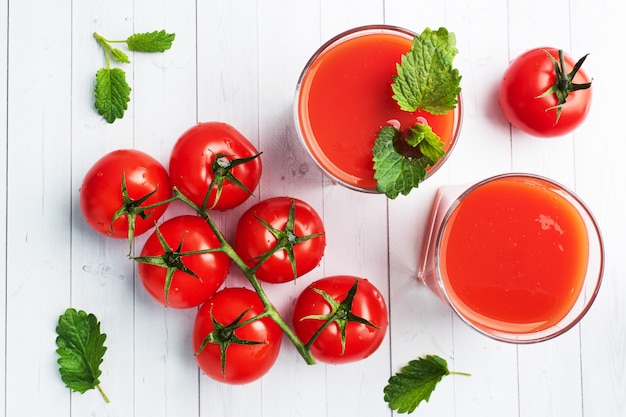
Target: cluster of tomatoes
[{"x": 185, "y": 260}]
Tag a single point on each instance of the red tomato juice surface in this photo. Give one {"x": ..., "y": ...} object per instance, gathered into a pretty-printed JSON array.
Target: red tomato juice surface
[
  {"x": 346, "y": 97},
  {"x": 513, "y": 255}
]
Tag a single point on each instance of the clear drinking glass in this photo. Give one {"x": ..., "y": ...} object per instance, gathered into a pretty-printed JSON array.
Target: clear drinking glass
[
  {"x": 344, "y": 96},
  {"x": 518, "y": 257}
]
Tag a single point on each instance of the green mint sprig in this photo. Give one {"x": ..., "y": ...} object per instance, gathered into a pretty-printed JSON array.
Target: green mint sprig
[
  {"x": 401, "y": 160},
  {"x": 81, "y": 350},
  {"x": 416, "y": 382},
  {"x": 426, "y": 80},
  {"x": 112, "y": 92}
]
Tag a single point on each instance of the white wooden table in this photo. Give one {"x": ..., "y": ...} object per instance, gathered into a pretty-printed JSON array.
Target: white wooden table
[{"x": 238, "y": 62}]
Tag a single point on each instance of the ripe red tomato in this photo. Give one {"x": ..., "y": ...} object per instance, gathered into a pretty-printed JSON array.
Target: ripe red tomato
[
  {"x": 101, "y": 191},
  {"x": 174, "y": 277},
  {"x": 528, "y": 77},
  {"x": 366, "y": 305},
  {"x": 288, "y": 227},
  {"x": 215, "y": 155},
  {"x": 243, "y": 362}
]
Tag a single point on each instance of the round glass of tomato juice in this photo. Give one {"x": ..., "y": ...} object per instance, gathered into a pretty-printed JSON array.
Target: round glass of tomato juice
[
  {"x": 518, "y": 257},
  {"x": 344, "y": 97}
]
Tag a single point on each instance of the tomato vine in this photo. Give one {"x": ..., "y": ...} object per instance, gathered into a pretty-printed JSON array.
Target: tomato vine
[{"x": 249, "y": 272}]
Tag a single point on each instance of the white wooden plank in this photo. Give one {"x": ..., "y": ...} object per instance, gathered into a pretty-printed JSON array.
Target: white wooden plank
[
  {"x": 4, "y": 33},
  {"x": 102, "y": 277},
  {"x": 238, "y": 62},
  {"x": 164, "y": 106},
  {"x": 38, "y": 205},
  {"x": 228, "y": 92},
  {"x": 483, "y": 150},
  {"x": 552, "y": 158},
  {"x": 445, "y": 335},
  {"x": 420, "y": 325},
  {"x": 600, "y": 171},
  {"x": 288, "y": 33},
  {"x": 356, "y": 247}
]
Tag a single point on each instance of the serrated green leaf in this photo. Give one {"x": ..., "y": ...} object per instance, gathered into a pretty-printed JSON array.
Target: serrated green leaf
[
  {"x": 119, "y": 56},
  {"x": 428, "y": 142},
  {"x": 415, "y": 383},
  {"x": 112, "y": 93},
  {"x": 81, "y": 350},
  {"x": 395, "y": 173},
  {"x": 425, "y": 77},
  {"x": 157, "y": 41}
]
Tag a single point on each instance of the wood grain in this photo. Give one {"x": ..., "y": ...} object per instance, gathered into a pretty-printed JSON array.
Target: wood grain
[{"x": 239, "y": 62}]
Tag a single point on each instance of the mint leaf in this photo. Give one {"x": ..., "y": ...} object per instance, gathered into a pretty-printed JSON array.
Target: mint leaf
[
  {"x": 112, "y": 93},
  {"x": 415, "y": 383},
  {"x": 81, "y": 350},
  {"x": 119, "y": 56},
  {"x": 157, "y": 41},
  {"x": 426, "y": 79},
  {"x": 428, "y": 142},
  {"x": 110, "y": 52},
  {"x": 396, "y": 173}
]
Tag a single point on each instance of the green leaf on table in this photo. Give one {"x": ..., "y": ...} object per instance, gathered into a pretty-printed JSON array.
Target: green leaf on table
[
  {"x": 157, "y": 41},
  {"x": 415, "y": 383},
  {"x": 112, "y": 93},
  {"x": 119, "y": 56},
  {"x": 426, "y": 79},
  {"x": 398, "y": 171},
  {"x": 81, "y": 350}
]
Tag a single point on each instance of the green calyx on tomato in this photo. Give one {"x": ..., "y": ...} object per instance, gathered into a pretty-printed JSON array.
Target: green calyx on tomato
[
  {"x": 564, "y": 83},
  {"x": 224, "y": 336},
  {"x": 172, "y": 261},
  {"x": 286, "y": 239},
  {"x": 131, "y": 209},
  {"x": 341, "y": 314},
  {"x": 222, "y": 171}
]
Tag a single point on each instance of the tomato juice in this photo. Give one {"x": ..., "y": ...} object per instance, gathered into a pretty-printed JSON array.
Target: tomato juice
[
  {"x": 344, "y": 97},
  {"x": 518, "y": 257}
]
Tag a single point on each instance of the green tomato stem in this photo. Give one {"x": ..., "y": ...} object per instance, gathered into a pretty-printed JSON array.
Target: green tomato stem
[{"x": 249, "y": 273}]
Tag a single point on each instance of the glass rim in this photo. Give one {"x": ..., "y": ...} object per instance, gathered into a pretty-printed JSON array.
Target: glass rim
[
  {"x": 348, "y": 34},
  {"x": 592, "y": 279}
]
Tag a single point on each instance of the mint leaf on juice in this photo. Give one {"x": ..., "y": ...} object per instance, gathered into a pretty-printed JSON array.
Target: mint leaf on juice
[
  {"x": 400, "y": 161},
  {"x": 81, "y": 350},
  {"x": 415, "y": 383},
  {"x": 426, "y": 79},
  {"x": 112, "y": 92}
]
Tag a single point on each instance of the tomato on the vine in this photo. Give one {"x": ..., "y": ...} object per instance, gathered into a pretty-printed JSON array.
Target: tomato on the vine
[
  {"x": 348, "y": 314},
  {"x": 282, "y": 238},
  {"x": 545, "y": 93},
  {"x": 227, "y": 347},
  {"x": 178, "y": 264},
  {"x": 116, "y": 188},
  {"x": 215, "y": 156}
]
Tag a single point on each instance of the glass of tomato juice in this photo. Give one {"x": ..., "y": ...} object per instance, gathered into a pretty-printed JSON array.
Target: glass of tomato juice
[
  {"x": 344, "y": 97},
  {"x": 518, "y": 257}
]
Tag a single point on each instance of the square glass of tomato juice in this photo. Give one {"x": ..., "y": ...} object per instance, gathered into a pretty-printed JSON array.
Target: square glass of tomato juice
[
  {"x": 344, "y": 97},
  {"x": 518, "y": 257}
]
